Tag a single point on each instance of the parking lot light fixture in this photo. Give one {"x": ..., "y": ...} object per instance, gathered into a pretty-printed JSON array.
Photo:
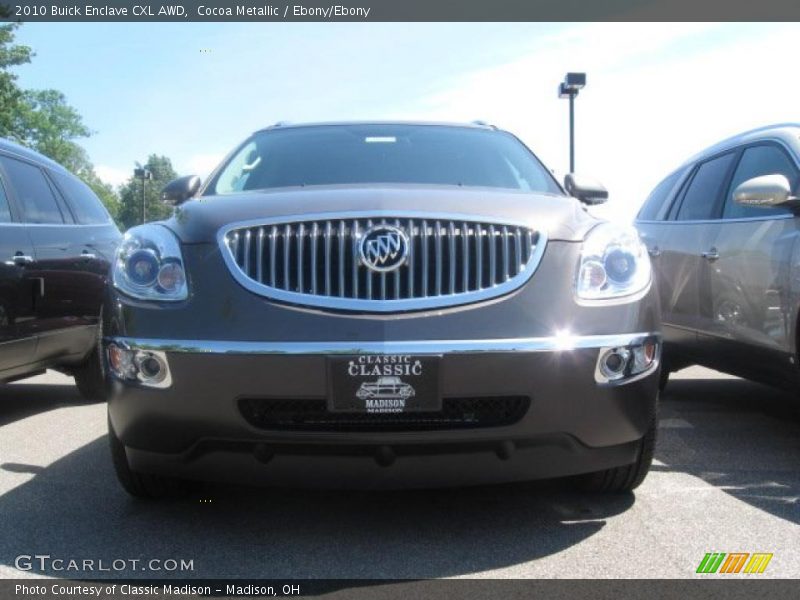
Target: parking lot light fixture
[{"x": 569, "y": 88}]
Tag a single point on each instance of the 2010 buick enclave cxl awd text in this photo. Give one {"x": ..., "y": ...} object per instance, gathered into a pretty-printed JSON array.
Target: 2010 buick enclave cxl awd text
[{"x": 381, "y": 304}]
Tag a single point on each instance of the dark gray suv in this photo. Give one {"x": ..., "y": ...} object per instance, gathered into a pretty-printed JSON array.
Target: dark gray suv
[
  {"x": 372, "y": 304},
  {"x": 723, "y": 234}
]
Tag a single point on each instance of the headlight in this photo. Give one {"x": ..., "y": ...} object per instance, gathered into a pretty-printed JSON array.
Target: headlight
[
  {"x": 614, "y": 264},
  {"x": 149, "y": 265}
]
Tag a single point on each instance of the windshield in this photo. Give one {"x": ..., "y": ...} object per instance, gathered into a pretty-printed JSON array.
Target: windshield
[{"x": 365, "y": 154}]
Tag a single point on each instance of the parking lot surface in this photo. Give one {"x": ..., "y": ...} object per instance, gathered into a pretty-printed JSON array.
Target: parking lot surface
[{"x": 725, "y": 479}]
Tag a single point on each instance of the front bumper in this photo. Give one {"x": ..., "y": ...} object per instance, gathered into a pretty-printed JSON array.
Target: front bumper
[{"x": 574, "y": 420}]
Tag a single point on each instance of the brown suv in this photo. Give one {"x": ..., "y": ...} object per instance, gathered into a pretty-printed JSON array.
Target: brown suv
[{"x": 723, "y": 234}]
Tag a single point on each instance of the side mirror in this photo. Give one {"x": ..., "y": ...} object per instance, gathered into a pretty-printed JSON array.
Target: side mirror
[
  {"x": 586, "y": 190},
  {"x": 180, "y": 190},
  {"x": 766, "y": 191}
]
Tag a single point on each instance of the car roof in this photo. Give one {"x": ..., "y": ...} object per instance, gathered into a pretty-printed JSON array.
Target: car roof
[
  {"x": 472, "y": 125},
  {"x": 786, "y": 132},
  {"x": 13, "y": 148}
]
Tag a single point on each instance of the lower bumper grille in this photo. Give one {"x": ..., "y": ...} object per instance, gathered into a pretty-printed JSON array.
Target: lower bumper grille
[{"x": 312, "y": 415}]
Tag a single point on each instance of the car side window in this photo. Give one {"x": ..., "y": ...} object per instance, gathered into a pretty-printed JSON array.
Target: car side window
[
  {"x": 654, "y": 208},
  {"x": 755, "y": 162},
  {"x": 5, "y": 210},
  {"x": 85, "y": 205},
  {"x": 34, "y": 195},
  {"x": 702, "y": 196}
]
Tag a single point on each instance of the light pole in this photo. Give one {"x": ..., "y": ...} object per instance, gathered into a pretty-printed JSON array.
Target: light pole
[
  {"x": 145, "y": 174},
  {"x": 569, "y": 88}
]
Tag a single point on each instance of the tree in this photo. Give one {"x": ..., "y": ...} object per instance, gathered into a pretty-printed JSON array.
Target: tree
[
  {"x": 43, "y": 120},
  {"x": 130, "y": 209},
  {"x": 11, "y": 96}
]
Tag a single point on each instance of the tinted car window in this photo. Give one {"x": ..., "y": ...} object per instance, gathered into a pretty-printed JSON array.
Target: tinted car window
[
  {"x": 701, "y": 197},
  {"x": 386, "y": 153},
  {"x": 85, "y": 205},
  {"x": 757, "y": 161},
  {"x": 5, "y": 212},
  {"x": 33, "y": 192},
  {"x": 654, "y": 207}
]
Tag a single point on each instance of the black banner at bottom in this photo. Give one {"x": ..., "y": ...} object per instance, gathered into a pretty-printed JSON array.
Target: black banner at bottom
[{"x": 357, "y": 589}]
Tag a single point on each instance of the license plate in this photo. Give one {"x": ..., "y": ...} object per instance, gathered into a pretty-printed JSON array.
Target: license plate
[{"x": 384, "y": 383}]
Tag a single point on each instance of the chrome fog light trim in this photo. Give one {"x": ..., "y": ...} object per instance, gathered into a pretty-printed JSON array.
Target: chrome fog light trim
[
  {"x": 147, "y": 367},
  {"x": 624, "y": 364}
]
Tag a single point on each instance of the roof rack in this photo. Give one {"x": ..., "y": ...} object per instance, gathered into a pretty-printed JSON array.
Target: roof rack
[{"x": 482, "y": 123}]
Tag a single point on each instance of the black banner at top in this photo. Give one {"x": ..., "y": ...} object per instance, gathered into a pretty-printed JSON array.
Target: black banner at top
[{"x": 399, "y": 10}]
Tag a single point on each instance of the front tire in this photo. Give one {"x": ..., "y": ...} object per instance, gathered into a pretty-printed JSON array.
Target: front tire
[
  {"x": 141, "y": 485},
  {"x": 90, "y": 376},
  {"x": 625, "y": 478}
]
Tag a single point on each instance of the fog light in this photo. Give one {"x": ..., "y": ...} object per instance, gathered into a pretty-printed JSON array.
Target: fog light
[
  {"x": 146, "y": 367},
  {"x": 624, "y": 363},
  {"x": 150, "y": 367},
  {"x": 614, "y": 362}
]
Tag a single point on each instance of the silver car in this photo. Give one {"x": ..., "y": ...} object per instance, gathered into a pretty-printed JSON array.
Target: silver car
[{"x": 723, "y": 235}]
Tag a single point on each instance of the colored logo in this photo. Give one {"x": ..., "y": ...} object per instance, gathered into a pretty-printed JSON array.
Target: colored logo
[{"x": 734, "y": 562}]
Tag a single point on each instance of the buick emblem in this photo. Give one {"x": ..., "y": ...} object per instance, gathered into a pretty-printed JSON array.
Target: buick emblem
[{"x": 384, "y": 248}]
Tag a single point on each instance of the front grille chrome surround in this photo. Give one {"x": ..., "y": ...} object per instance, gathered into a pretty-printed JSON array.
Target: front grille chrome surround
[{"x": 313, "y": 260}]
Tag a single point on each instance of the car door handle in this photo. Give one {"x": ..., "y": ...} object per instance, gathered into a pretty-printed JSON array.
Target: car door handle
[
  {"x": 712, "y": 254},
  {"x": 20, "y": 260},
  {"x": 86, "y": 255},
  {"x": 654, "y": 251}
]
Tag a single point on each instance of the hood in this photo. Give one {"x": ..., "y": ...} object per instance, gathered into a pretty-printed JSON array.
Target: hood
[{"x": 563, "y": 218}]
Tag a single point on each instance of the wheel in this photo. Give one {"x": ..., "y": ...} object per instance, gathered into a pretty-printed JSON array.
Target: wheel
[
  {"x": 663, "y": 378},
  {"x": 141, "y": 485},
  {"x": 90, "y": 376},
  {"x": 628, "y": 477}
]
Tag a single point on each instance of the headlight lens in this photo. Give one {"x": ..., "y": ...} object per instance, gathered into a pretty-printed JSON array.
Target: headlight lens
[
  {"x": 614, "y": 264},
  {"x": 149, "y": 265}
]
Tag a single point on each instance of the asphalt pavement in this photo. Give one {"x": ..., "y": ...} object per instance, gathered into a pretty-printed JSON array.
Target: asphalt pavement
[{"x": 725, "y": 479}]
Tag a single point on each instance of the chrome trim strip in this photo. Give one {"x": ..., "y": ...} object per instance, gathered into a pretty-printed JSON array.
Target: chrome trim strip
[
  {"x": 389, "y": 305},
  {"x": 555, "y": 343}
]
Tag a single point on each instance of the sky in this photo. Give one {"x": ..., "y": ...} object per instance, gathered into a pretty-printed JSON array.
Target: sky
[{"x": 656, "y": 93}]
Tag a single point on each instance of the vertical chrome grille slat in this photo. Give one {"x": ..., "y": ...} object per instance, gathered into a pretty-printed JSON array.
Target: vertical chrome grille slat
[
  {"x": 273, "y": 243},
  {"x": 492, "y": 256},
  {"x": 260, "y": 256},
  {"x": 506, "y": 257},
  {"x": 478, "y": 256},
  {"x": 465, "y": 251},
  {"x": 397, "y": 272},
  {"x": 424, "y": 240},
  {"x": 320, "y": 258},
  {"x": 451, "y": 234},
  {"x": 314, "y": 234},
  {"x": 328, "y": 259},
  {"x": 233, "y": 244},
  {"x": 301, "y": 234},
  {"x": 343, "y": 264},
  {"x": 368, "y": 271},
  {"x": 246, "y": 266},
  {"x": 383, "y": 274},
  {"x": 287, "y": 248},
  {"x": 412, "y": 237},
  {"x": 354, "y": 236},
  {"x": 526, "y": 249},
  {"x": 439, "y": 258}
]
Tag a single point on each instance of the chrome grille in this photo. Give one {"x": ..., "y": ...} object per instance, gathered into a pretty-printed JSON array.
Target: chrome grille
[{"x": 315, "y": 261}]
